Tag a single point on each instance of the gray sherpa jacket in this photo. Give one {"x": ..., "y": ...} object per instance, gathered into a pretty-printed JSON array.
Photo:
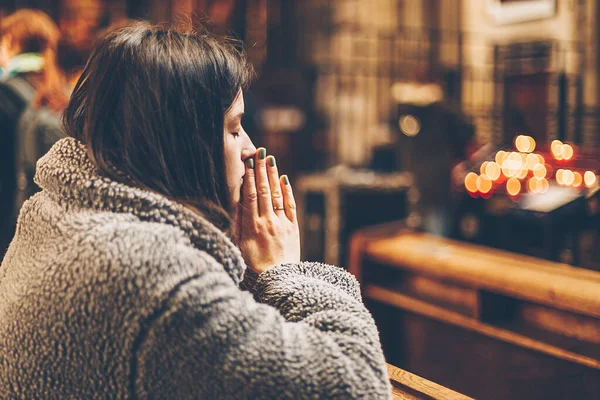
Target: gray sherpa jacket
[{"x": 109, "y": 292}]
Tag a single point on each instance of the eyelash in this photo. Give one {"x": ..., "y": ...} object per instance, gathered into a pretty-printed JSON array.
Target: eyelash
[{"x": 235, "y": 134}]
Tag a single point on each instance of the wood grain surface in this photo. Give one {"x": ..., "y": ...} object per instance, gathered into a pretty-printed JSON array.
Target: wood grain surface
[{"x": 409, "y": 386}]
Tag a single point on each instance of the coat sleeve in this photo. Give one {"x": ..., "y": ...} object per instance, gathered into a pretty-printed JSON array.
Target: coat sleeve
[{"x": 307, "y": 336}]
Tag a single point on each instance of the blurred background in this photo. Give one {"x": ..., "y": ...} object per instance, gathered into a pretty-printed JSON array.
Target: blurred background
[{"x": 471, "y": 121}]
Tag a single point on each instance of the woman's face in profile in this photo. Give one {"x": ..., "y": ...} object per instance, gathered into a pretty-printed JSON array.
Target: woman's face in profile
[{"x": 237, "y": 147}]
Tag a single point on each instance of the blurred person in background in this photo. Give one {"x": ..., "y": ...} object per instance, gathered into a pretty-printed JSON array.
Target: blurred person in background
[
  {"x": 40, "y": 124},
  {"x": 81, "y": 20},
  {"x": 433, "y": 137},
  {"x": 28, "y": 41}
]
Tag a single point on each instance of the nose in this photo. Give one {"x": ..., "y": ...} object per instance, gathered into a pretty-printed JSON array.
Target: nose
[{"x": 249, "y": 149}]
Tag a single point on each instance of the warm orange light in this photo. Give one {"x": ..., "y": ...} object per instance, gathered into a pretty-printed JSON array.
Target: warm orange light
[
  {"x": 471, "y": 182},
  {"x": 492, "y": 170},
  {"x": 545, "y": 185},
  {"x": 556, "y": 147},
  {"x": 513, "y": 186},
  {"x": 523, "y": 160},
  {"x": 514, "y": 164},
  {"x": 515, "y": 158},
  {"x": 578, "y": 179},
  {"x": 534, "y": 185},
  {"x": 541, "y": 158},
  {"x": 482, "y": 168},
  {"x": 522, "y": 173},
  {"x": 589, "y": 178},
  {"x": 531, "y": 144},
  {"x": 568, "y": 177},
  {"x": 500, "y": 157},
  {"x": 539, "y": 171},
  {"x": 532, "y": 160},
  {"x": 559, "y": 176},
  {"x": 525, "y": 144},
  {"x": 522, "y": 143},
  {"x": 566, "y": 151},
  {"x": 507, "y": 172},
  {"x": 484, "y": 184}
]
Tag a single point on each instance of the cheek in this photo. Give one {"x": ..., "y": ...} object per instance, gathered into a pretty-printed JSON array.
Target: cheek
[{"x": 234, "y": 166}]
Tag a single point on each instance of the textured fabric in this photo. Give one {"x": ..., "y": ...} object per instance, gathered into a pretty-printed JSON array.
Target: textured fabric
[{"x": 108, "y": 291}]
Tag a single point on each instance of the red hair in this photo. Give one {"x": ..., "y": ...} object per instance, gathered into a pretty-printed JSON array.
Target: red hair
[{"x": 31, "y": 30}]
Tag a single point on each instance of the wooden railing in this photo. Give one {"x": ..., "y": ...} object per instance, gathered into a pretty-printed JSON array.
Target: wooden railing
[{"x": 515, "y": 318}]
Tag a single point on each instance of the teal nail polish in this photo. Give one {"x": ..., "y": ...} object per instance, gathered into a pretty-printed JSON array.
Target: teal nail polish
[
  {"x": 262, "y": 153},
  {"x": 250, "y": 163},
  {"x": 286, "y": 181},
  {"x": 271, "y": 161}
]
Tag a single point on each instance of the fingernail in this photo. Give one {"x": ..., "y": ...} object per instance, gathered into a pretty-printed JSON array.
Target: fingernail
[
  {"x": 271, "y": 161},
  {"x": 286, "y": 181},
  {"x": 262, "y": 153},
  {"x": 250, "y": 163}
]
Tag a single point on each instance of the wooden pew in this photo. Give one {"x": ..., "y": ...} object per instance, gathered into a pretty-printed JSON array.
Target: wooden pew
[
  {"x": 487, "y": 323},
  {"x": 409, "y": 386}
]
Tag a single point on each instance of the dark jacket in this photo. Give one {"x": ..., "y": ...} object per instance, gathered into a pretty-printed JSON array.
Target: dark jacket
[
  {"x": 15, "y": 95},
  {"x": 109, "y": 291},
  {"x": 37, "y": 131}
]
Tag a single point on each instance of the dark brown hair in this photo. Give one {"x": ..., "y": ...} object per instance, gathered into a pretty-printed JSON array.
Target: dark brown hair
[{"x": 151, "y": 104}]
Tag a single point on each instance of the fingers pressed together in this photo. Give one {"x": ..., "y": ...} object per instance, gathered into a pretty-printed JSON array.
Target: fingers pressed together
[{"x": 265, "y": 193}]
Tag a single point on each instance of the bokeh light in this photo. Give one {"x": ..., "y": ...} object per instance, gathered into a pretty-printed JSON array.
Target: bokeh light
[
  {"x": 531, "y": 143},
  {"x": 532, "y": 160},
  {"x": 559, "y": 176},
  {"x": 515, "y": 158},
  {"x": 578, "y": 179},
  {"x": 556, "y": 148},
  {"x": 589, "y": 178},
  {"x": 539, "y": 171},
  {"x": 484, "y": 184},
  {"x": 541, "y": 158},
  {"x": 500, "y": 157},
  {"x": 471, "y": 182},
  {"x": 409, "y": 125},
  {"x": 521, "y": 143},
  {"x": 566, "y": 151},
  {"x": 492, "y": 170},
  {"x": 482, "y": 168},
  {"x": 522, "y": 173},
  {"x": 534, "y": 185},
  {"x": 514, "y": 164},
  {"x": 568, "y": 177},
  {"x": 525, "y": 144},
  {"x": 513, "y": 186}
]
